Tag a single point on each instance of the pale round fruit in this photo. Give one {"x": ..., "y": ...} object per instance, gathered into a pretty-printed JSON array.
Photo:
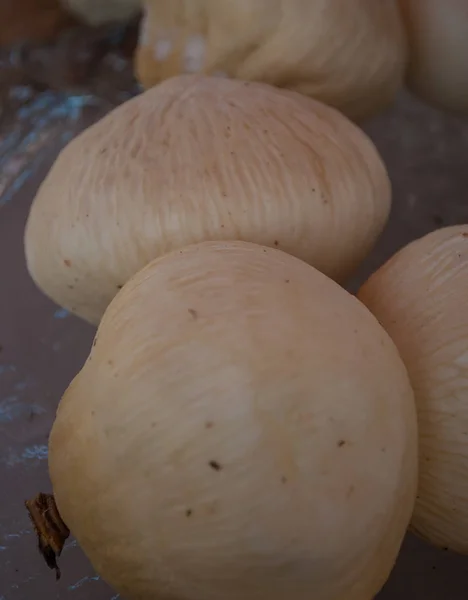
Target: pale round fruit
[
  {"x": 243, "y": 428},
  {"x": 197, "y": 159},
  {"x": 420, "y": 296},
  {"x": 438, "y": 38},
  {"x": 349, "y": 54}
]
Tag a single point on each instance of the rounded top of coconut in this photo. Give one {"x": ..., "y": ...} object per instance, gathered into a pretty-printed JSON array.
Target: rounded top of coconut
[{"x": 201, "y": 158}]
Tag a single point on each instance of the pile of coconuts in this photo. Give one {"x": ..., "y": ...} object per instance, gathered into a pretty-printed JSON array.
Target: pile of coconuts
[{"x": 243, "y": 427}]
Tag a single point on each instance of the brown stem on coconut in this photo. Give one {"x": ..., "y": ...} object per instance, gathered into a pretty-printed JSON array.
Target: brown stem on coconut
[{"x": 50, "y": 529}]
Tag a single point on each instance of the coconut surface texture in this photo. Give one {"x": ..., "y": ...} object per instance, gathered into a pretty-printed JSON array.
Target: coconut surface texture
[
  {"x": 351, "y": 55},
  {"x": 438, "y": 37},
  {"x": 421, "y": 297},
  {"x": 242, "y": 428},
  {"x": 197, "y": 159}
]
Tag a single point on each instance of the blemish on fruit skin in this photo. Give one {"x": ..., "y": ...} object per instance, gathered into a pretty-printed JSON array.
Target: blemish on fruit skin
[
  {"x": 193, "y": 313},
  {"x": 341, "y": 443},
  {"x": 212, "y": 508},
  {"x": 194, "y": 54},
  {"x": 188, "y": 512},
  {"x": 67, "y": 262},
  {"x": 162, "y": 49},
  {"x": 209, "y": 424},
  {"x": 214, "y": 464}
]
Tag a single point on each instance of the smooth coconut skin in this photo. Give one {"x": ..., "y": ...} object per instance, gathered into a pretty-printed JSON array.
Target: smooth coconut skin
[
  {"x": 243, "y": 428},
  {"x": 420, "y": 297},
  {"x": 351, "y": 55},
  {"x": 196, "y": 159},
  {"x": 438, "y": 37}
]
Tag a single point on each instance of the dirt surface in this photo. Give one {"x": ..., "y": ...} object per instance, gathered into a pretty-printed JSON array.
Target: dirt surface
[
  {"x": 32, "y": 20},
  {"x": 48, "y": 95}
]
